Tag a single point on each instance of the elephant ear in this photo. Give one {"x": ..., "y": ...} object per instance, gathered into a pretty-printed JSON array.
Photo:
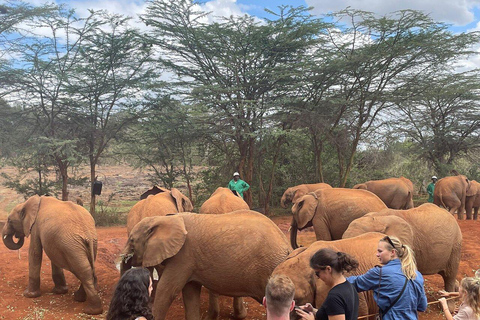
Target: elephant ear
[
  {"x": 304, "y": 210},
  {"x": 167, "y": 236},
  {"x": 297, "y": 194},
  {"x": 29, "y": 213},
  {"x": 183, "y": 203},
  {"x": 471, "y": 188}
]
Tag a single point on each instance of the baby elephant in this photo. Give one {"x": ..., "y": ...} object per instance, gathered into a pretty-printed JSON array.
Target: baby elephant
[{"x": 66, "y": 232}]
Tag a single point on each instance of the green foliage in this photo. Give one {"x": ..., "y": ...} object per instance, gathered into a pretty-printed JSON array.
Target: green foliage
[{"x": 108, "y": 215}]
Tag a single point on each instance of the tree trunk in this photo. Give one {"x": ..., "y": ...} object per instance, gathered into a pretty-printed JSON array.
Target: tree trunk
[
  {"x": 92, "y": 180},
  {"x": 63, "y": 167},
  {"x": 318, "y": 147},
  {"x": 268, "y": 195},
  {"x": 249, "y": 172}
]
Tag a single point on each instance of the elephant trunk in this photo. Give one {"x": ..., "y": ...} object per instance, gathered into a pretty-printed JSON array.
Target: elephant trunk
[
  {"x": 283, "y": 200},
  {"x": 125, "y": 264},
  {"x": 293, "y": 234},
  {"x": 10, "y": 244}
]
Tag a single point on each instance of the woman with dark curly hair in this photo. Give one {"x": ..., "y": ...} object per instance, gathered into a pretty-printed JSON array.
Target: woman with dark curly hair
[{"x": 131, "y": 297}]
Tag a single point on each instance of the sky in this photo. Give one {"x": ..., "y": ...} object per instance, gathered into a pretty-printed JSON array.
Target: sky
[{"x": 462, "y": 15}]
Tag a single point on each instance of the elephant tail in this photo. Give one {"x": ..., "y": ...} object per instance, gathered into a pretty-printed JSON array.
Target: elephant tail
[
  {"x": 92, "y": 255},
  {"x": 293, "y": 234}
]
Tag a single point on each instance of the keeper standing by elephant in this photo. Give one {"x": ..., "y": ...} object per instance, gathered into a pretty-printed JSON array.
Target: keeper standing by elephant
[
  {"x": 238, "y": 185},
  {"x": 431, "y": 188}
]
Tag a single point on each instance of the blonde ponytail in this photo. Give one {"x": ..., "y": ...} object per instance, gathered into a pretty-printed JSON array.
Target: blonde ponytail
[{"x": 405, "y": 254}]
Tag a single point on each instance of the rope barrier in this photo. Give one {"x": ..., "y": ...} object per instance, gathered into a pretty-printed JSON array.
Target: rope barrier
[{"x": 375, "y": 314}]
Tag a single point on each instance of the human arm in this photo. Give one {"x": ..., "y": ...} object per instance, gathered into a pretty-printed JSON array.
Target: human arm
[
  {"x": 245, "y": 186},
  {"x": 430, "y": 189},
  {"x": 447, "y": 294},
  {"x": 443, "y": 303},
  {"x": 367, "y": 281}
]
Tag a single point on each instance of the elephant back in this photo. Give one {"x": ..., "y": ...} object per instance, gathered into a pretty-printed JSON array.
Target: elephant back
[{"x": 223, "y": 200}]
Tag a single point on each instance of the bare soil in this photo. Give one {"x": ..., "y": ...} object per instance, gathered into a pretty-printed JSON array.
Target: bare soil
[{"x": 14, "y": 271}]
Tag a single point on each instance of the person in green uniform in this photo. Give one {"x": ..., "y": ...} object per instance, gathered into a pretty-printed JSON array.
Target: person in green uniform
[
  {"x": 430, "y": 188},
  {"x": 238, "y": 185}
]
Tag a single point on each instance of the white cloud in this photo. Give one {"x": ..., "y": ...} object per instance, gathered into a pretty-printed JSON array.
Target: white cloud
[{"x": 455, "y": 12}]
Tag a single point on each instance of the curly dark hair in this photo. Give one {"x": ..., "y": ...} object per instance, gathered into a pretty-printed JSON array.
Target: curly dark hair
[{"x": 131, "y": 298}]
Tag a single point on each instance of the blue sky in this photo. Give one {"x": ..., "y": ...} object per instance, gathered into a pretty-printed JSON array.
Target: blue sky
[{"x": 462, "y": 15}]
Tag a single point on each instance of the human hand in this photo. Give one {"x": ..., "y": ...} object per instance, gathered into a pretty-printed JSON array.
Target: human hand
[
  {"x": 304, "y": 314},
  {"x": 444, "y": 293},
  {"x": 307, "y": 307},
  {"x": 443, "y": 302}
]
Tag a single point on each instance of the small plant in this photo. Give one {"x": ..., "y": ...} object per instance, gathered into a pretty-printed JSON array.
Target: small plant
[{"x": 107, "y": 215}]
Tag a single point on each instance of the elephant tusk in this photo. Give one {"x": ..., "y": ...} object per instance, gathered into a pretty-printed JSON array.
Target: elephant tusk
[{"x": 289, "y": 229}]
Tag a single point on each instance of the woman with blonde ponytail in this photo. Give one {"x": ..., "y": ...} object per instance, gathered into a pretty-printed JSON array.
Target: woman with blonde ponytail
[
  {"x": 469, "y": 294},
  {"x": 397, "y": 285}
]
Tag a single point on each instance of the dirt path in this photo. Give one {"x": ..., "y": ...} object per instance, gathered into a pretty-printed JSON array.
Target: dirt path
[{"x": 14, "y": 277}]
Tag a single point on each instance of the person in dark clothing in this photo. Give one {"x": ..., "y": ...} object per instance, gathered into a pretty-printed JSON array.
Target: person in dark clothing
[{"x": 342, "y": 299}]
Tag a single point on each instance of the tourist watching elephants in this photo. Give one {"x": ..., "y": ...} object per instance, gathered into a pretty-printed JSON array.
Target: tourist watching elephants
[
  {"x": 342, "y": 299},
  {"x": 131, "y": 297},
  {"x": 278, "y": 300},
  {"x": 397, "y": 285}
]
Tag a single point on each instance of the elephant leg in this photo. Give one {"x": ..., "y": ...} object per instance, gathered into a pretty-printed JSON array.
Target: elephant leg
[
  {"x": 239, "y": 311},
  {"x": 171, "y": 282},
  {"x": 449, "y": 280},
  {"x": 191, "y": 300},
  {"x": 87, "y": 290},
  {"x": 475, "y": 213},
  {"x": 213, "y": 306},
  {"x": 35, "y": 254},
  {"x": 59, "y": 280}
]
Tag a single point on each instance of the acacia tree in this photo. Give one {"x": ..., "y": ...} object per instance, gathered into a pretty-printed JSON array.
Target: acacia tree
[
  {"x": 235, "y": 70},
  {"x": 441, "y": 115},
  {"x": 374, "y": 58},
  {"x": 108, "y": 82}
]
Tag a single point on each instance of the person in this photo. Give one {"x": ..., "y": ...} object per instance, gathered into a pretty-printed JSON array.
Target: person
[
  {"x": 397, "y": 285},
  {"x": 238, "y": 185},
  {"x": 430, "y": 188},
  {"x": 341, "y": 302},
  {"x": 131, "y": 297},
  {"x": 469, "y": 294},
  {"x": 278, "y": 300}
]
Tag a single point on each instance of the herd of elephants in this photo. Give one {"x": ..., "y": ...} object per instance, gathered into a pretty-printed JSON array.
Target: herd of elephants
[{"x": 232, "y": 251}]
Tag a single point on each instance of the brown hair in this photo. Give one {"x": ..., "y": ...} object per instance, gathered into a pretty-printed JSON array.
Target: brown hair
[
  {"x": 279, "y": 294},
  {"x": 471, "y": 288},
  {"x": 339, "y": 261},
  {"x": 405, "y": 254}
]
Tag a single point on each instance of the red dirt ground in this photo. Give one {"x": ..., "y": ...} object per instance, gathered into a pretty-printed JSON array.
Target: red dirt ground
[{"x": 14, "y": 277}]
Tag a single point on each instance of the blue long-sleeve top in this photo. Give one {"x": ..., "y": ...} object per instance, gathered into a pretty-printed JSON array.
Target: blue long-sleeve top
[{"x": 412, "y": 300}]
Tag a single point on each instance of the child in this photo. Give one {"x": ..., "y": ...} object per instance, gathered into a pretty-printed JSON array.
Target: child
[{"x": 469, "y": 294}]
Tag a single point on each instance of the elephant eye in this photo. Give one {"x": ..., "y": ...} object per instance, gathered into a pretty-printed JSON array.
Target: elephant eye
[{"x": 300, "y": 204}]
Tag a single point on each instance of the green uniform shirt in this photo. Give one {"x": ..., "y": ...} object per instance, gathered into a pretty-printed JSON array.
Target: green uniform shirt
[
  {"x": 240, "y": 186},
  {"x": 430, "y": 189}
]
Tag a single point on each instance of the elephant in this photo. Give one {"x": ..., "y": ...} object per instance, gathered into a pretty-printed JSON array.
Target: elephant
[
  {"x": 67, "y": 234},
  {"x": 450, "y": 192},
  {"x": 160, "y": 204},
  {"x": 223, "y": 200},
  {"x": 231, "y": 254},
  {"x": 309, "y": 288},
  {"x": 292, "y": 194},
  {"x": 330, "y": 211},
  {"x": 472, "y": 200},
  {"x": 397, "y": 193},
  {"x": 430, "y": 231}
]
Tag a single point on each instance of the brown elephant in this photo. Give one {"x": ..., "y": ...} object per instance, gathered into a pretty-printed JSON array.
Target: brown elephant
[
  {"x": 292, "y": 194},
  {"x": 472, "y": 200},
  {"x": 430, "y": 231},
  {"x": 231, "y": 254},
  {"x": 451, "y": 192},
  {"x": 67, "y": 234},
  {"x": 223, "y": 200},
  {"x": 397, "y": 193},
  {"x": 308, "y": 288},
  {"x": 330, "y": 211},
  {"x": 160, "y": 204}
]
